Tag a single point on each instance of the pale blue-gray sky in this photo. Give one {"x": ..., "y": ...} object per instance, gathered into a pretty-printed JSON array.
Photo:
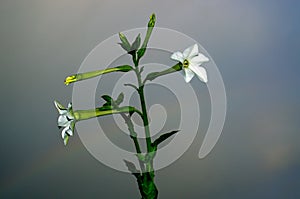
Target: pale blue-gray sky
[{"x": 255, "y": 45}]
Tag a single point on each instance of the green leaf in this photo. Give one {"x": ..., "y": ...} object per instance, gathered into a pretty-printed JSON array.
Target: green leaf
[
  {"x": 124, "y": 42},
  {"x": 136, "y": 44},
  {"x": 131, "y": 167},
  {"x": 162, "y": 138},
  {"x": 131, "y": 85},
  {"x": 119, "y": 99},
  {"x": 141, "y": 52},
  {"x": 142, "y": 69},
  {"x": 107, "y": 98},
  {"x": 107, "y": 104}
]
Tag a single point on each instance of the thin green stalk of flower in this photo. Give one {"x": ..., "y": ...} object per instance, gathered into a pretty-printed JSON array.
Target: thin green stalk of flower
[
  {"x": 144, "y": 109},
  {"x": 88, "y": 114},
  {"x": 83, "y": 76},
  {"x": 67, "y": 117},
  {"x": 151, "y": 76}
]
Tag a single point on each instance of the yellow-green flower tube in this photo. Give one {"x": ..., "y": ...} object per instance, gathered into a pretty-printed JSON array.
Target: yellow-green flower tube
[{"x": 82, "y": 76}]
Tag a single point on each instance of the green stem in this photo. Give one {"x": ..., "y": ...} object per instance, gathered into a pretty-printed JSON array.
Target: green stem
[
  {"x": 91, "y": 74},
  {"x": 133, "y": 136},
  {"x": 154, "y": 75},
  {"x": 144, "y": 109},
  {"x": 88, "y": 114}
]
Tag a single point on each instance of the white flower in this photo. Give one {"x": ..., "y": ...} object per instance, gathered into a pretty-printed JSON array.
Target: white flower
[
  {"x": 65, "y": 120},
  {"x": 191, "y": 60}
]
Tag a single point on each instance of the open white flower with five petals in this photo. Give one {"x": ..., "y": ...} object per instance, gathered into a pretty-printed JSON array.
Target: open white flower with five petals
[
  {"x": 65, "y": 120},
  {"x": 191, "y": 60}
]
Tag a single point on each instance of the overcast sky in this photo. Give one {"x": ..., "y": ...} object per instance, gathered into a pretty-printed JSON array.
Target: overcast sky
[{"x": 255, "y": 45}]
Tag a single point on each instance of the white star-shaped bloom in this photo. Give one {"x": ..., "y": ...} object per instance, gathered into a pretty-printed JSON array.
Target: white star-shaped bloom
[
  {"x": 191, "y": 61},
  {"x": 65, "y": 120}
]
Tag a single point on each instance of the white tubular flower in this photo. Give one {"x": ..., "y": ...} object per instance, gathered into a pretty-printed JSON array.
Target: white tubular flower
[
  {"x": 65, "y": 120},
  {"x": 191, "y": 60}
]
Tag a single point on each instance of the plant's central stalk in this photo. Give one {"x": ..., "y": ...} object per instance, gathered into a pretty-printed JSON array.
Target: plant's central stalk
[
  {"x": 144, "y": 109},
  {"x": 147, "y": 185}
]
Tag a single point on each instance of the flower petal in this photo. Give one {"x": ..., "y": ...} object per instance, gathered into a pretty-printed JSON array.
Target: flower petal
[
  {"x": 178, "y": 56},
  {"x": 69, "y": 105},
  {"x": 189, "y": 74},
  {"x": 62, "y": 121},
  {"x": 63, "y": 132},
  {"x": 191, "y": 51},
  {"x": 199, "y": 59},
  {"x": 200, "y": 72},
  {"x": 69, "y": 132},
  {"x": 60, "y": 108}
]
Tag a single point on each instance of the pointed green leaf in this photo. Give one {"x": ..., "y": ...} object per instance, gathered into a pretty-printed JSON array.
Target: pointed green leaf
[
  {"x": 107, "y": 104},
  {"x": 136, "y": 44},
  {"x": 124, "y": 42},
  {"x": 119, "y": 99},
  {"x": 107, "y": 98},
  {"x": 141, "y": 52},
  {"x": 163, "y": 138},
  {"x": 142, "y": 69},
  {"x": 131, "y": 85},
  {"x": 131, "y": 167}
]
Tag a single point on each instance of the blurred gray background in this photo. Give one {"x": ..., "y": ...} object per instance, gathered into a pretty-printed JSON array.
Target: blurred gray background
[{"x": 255, "y": 45}]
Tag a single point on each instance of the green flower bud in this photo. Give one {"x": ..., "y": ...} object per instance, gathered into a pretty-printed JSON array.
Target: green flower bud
[{"x": 152, "y": 20}]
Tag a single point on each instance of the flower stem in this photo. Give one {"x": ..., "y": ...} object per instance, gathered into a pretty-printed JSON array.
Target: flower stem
[
  {"x": 88, "y": 114},
  {"x": 144, "y": 109},
  {"x": 133, "y": 136}
]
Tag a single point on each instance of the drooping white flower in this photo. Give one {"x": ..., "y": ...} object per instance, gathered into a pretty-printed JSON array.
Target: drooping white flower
[
  {"x": 191, "y": 61},
  {"x": 65, "y": 120}
]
